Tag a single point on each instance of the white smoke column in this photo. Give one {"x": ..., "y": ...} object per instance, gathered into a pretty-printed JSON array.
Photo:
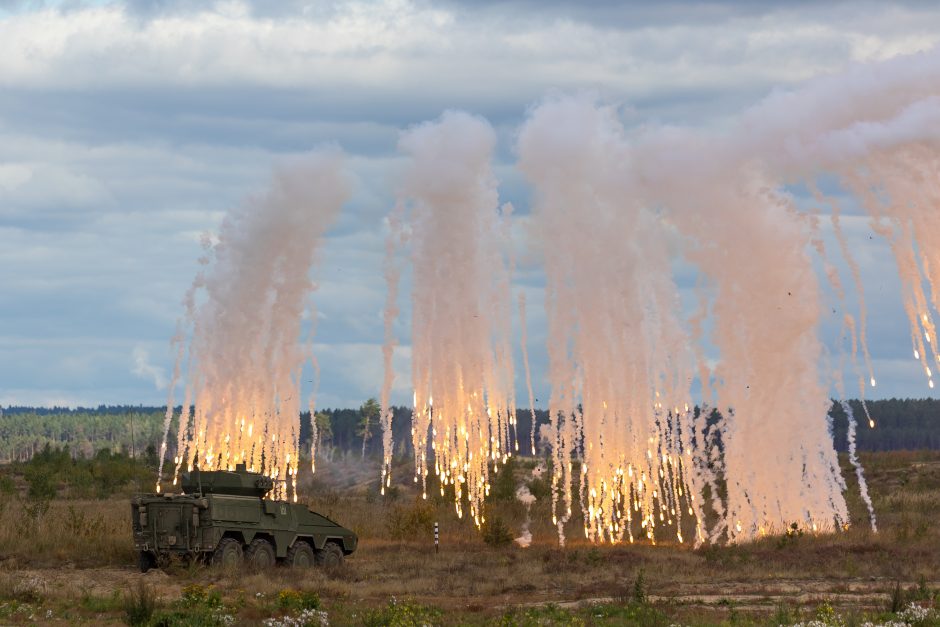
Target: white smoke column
[
  {"x": 876, "y": 126},
  {"x": 524, "y": 341},
  {"x": 245, "y": 353},
  {"x": 618, "y": 360},
  {"x": 853, "y": 458},
  {"x": 461, "y": 361},
  {"x": 394, "y": 240},
  {"x": 526, "y": 498},
  {"x": 612, "y": 279}
]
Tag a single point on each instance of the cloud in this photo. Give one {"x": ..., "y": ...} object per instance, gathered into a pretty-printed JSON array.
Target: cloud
[
  {"x": 128, "y": 129},
  {"x": 418, "y": 56}
]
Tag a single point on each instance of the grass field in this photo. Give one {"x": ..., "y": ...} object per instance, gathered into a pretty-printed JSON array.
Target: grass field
[{"x": 72, "y": 561}]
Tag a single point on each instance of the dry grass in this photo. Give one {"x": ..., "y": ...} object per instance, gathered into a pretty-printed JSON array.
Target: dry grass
[
  {"x": 68, "y": 533},
  {"x": 78, "y": 553}
]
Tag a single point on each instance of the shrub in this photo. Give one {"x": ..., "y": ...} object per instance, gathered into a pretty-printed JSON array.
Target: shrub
[
  {"x": 288, "y": 599},
  {"x": 914, "y": 614},
  {"x": 193, "y": 594},
  {"x": 594, "y": 556},
  {"x": 196, "y": 595},
  {"x": 629, "y": 614},
  {"x": 42, "y": 484},
  {"x": 198, "y": 606},
  {"x": 100, "y": 476},
  {"x": 549, "y": 614},
  {"x": 22, "y": 589},
  {"x": 139, "y": 604},
  {"x": 503, "y": 481},
  {"x": 411, "y": 522},
  {"x": 495, "y": 532},
  {"x": 102, "y": 604},
  {"x": 402, "y": 614},
  {"x": 897, "y": 599},
  {"x": 826, "y": 615},
  {"x": 783, "y": 616},
  {"x": 78, "y": 523},
  {"x": 639, "y": 588}
]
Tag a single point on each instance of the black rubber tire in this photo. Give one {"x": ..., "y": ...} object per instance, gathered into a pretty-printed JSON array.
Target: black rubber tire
[
  {"x": 330, "y": 556},
  {"x": 228, "y": 554},
  {"x": 260, "y": 554},
  {"x": 146, "y": 560},
  {"x": 300, "y": 555}
]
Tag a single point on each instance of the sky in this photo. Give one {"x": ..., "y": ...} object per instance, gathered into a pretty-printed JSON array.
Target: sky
[{"x": 128, "y": 129}]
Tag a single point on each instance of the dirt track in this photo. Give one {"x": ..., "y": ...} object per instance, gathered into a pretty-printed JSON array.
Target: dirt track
[{"x": 867, "y": 593}]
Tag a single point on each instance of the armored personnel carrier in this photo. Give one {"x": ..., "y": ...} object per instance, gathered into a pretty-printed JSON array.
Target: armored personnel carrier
[{"x": 223, "y": 517}]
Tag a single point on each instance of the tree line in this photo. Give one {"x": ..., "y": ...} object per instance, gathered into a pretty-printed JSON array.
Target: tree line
[{"x": 25, "y": 431}]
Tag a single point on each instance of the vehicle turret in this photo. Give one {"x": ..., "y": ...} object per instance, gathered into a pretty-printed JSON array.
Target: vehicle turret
[{"x": 239, "y": 482}]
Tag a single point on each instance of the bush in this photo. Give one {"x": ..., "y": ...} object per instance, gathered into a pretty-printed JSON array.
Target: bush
[
  {"x": 826, "y": 614},
  {"x": 196, "y": 595},
  {"x": 540, "y": 488},
  {"x": 639, "y": 588},
  {"x": 42, "y": 484},
  {"x": 792, "y": 534},
  {"x": 100, "y": 476},
  {"x": 7, "y": 487},
  {"x": 410, "y": 523},
  {"x": 630, "y": 614},
  {"x": 79, "y": 524},
  {"x": 139, "y": 604},
  {"x": 503, "y": 481},
  {"x": 495, "y": 532},
  {"x": 22, "y": 589},
  {"x": 402, "y": 614},
  {"x": 198, "y": 606},
  {"x": 897, "y": 599},
  {"x": 298, "y": 600},
  {"x": 627, "y": 613}
]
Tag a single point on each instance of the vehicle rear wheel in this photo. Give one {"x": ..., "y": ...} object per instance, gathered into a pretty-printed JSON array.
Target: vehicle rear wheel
[
  {"x": 260, "y": 554},
  {"x": 300, "y": 555},
  {"x": 146, "y": 560},
  {"x": 228, "y": 554},
  {"x": 330, "y": 556}
]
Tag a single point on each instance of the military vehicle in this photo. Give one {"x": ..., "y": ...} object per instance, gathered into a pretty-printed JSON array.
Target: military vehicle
[{"x": 222, "y": 517}]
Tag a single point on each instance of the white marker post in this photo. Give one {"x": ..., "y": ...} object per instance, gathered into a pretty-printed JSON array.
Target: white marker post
[{"x": 437, "y": 536}]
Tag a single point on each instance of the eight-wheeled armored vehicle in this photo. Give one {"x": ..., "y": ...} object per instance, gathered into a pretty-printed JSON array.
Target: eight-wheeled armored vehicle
[{"x": 222, "y": 516}]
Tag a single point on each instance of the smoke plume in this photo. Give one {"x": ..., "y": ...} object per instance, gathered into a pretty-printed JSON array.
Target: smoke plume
[
  {"x": 607, "y": 201},
  {"x": 245, "y": 353},
  {"x": 462, "y": 370}
]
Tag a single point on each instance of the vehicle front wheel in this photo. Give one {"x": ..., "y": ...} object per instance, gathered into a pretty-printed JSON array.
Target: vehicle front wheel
[
  {"x": 300, "y": 555},
  {"x": 330, "y": 556},
  {"x": 260, "y": 554},
  {"x": 228, "y": 554},
  {"x": 146, "y": 560}
]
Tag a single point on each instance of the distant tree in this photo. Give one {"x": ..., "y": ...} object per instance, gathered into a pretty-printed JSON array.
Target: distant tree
[
  {"x": 369, "y": 412},
  {"x": 323, "y": 439},
  {"x": 150, "y": 456}
]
